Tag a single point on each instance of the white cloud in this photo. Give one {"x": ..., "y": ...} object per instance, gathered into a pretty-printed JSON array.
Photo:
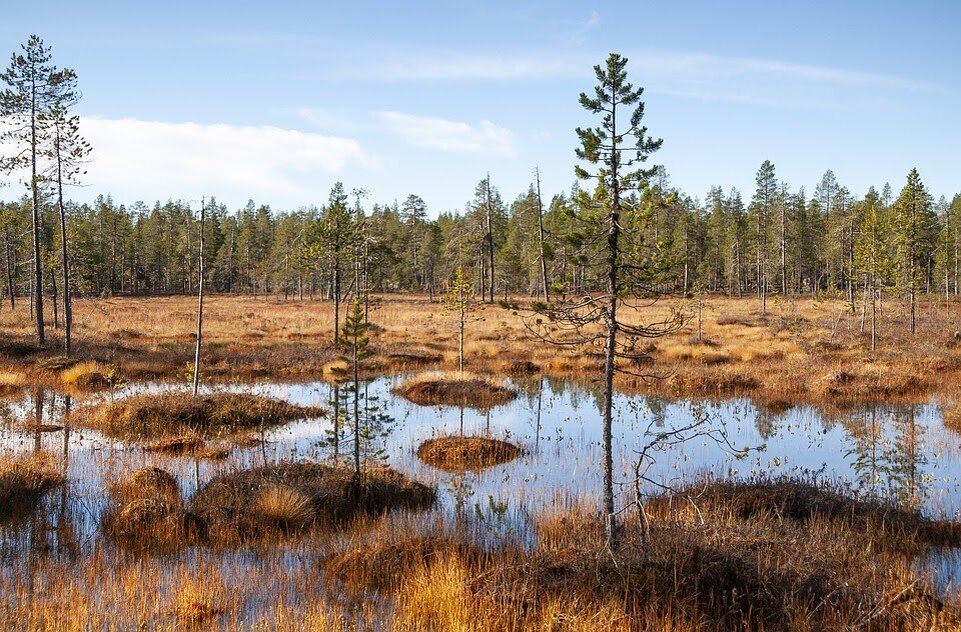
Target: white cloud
[
  {"x": 445, "y": 135},
  {"x": 155, "y": 160}
]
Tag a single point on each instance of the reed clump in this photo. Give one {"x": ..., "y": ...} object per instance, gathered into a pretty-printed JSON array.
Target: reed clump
[
  {"x": 456, "y": 454},
  {"x": 292, "y": 495},
  {"x": 454, "y": 388},
  {"x": 160, "y": 416}
]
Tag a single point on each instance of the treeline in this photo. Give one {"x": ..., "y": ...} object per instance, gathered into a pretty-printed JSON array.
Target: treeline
[
  {"x": 774, "y": 240},
  {"x": 779, "y": 241}
]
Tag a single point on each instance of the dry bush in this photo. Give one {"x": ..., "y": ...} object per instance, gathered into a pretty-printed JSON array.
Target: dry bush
[
  {"x": 453, "y": 388},
  {"x": 457, "y": 454}
]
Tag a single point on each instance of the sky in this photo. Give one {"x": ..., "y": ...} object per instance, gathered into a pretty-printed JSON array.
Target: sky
[{"x": 277, "y": 101}]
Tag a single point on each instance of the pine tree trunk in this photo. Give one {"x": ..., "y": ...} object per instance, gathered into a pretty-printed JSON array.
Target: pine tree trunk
[
  {"x": 200, "y": 302},
  {"x": 65, "y": 263},
  {"x": 35, "y": 186},
  {"x": 540, "y": 233}
]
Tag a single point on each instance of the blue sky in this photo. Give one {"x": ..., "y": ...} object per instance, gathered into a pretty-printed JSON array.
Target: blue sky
[{"x": 276, "y": 101}]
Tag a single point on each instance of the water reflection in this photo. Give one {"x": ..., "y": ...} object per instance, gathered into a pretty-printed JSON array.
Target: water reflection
[{"x": 903, "y": 452}]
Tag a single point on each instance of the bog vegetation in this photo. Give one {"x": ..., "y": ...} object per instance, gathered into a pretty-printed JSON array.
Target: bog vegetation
[{"x": 624, "y": 282}]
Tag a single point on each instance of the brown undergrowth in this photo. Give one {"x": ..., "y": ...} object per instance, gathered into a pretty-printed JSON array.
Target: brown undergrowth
[
  {"x": 147, "y": 513},
  {"x": 774, "y": 555}
]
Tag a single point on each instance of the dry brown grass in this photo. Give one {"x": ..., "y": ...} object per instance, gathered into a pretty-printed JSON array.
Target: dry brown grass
[
  {"x": 457, "y": 454},
  {"x": 166, "y": 415},
  {"x": 775, "y": 555},
  {"x": 455, "y": 388},
  {"x": 24, "y": 480},
  {"x": 197, "y": 603},
  {"x": 769, "y": 555},
  {"x": 284, "y": 506},
  {"x": 247, "y": 503},
  {"x": 183, "y": 444},
  {"x": 790, "y": 355}
]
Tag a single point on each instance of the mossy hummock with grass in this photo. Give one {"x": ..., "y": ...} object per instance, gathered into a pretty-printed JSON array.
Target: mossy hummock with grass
[
  {"x": 166, "y": 415},
  {"x": 290, "y": 495},
  {"x": 453, "y": 388}
]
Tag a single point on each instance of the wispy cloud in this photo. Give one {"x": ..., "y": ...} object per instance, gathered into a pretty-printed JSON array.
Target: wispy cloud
[
  {"x": 455, "y": 66},
  {"x": 327, "y": 120},
  {"x": 446, "y": 135},
  {"x": 694, "y": 75},
  {"x": 151, "y": 159}
]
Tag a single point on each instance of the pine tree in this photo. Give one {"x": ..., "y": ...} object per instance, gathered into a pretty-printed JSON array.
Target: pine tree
[
  {"x": 34, "y": 87},
  {"x": 872, "y": 257},
  {"x": 68, "y": 151},
  {"x": 762, "y": 209},
  {"x": 625, "y": 264},
  {"x": 459, "y": 300},
  {"x": 915, "y": 226},
  {"x": 355, "y": 333}
]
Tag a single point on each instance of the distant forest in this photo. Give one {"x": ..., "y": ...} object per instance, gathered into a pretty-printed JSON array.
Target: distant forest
[{"x": 779, "y": 241}]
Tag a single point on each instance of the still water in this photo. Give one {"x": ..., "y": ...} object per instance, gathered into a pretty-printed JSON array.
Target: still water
[{"x": 899, "y": 451}]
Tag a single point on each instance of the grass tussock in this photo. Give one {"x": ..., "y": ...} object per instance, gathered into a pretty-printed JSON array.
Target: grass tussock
[
  {"x": 775, "y": 555},
  {"x": 147, "y": 513},
  {"x": 292, "y": 495},
  {"x": 89, "y": 375},
  {"x": 197, "y": 604},
  {"x": 871, "y": 383},
  {"x": 457, "y": 454},
  {"x": 177, "y": 414},
  {"x": 24, "y": 481},
  {"x": 284, "y": 506},
  {"x": 520, "y": 368},
  {"x": 12, "y": 381},
  {"x": 453, "y": 388}
]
